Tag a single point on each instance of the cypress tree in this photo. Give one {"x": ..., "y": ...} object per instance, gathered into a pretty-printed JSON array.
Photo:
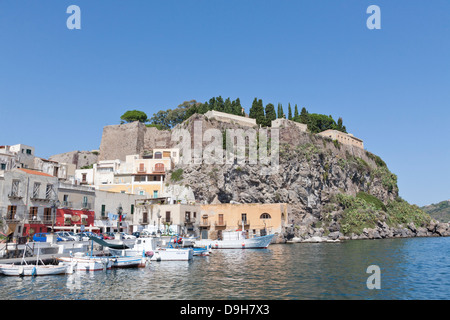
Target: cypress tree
[
  {"x": 270, "y": 114},
  {"x": 289, "y": 112},
  {"x": 257, "y": 112},
  {"x": 227, "y": 106},
  {"x": 296, "y": 113},
  {"x": 304, "y": 116}
]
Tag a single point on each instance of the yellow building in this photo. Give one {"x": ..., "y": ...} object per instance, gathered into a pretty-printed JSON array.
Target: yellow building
[{"x": 257, "y": 218}]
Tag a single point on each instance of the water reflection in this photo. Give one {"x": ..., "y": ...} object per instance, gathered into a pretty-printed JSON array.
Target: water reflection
[{"x": 410, "y": 269}]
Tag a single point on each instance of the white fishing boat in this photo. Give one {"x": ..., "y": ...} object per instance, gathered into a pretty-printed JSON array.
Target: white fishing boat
[
  {"x": 87, "y": 263},
  {"x": 128, "y": 262},
  {"x": 34, "y": 270},
  {"x": 37, "y": 269},
  {"x": 172, "y": 254},
  {"x": 154, "y": 251},
  {"x": 236, "y": 240}
]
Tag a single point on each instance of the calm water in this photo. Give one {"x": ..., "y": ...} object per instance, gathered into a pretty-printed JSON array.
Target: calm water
[{"x": 410, "y": 269}]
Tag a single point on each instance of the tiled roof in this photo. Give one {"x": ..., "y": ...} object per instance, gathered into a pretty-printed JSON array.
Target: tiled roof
[{"x": 38, "y": 173}]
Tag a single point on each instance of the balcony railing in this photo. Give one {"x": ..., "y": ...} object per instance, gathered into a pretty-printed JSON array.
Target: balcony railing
[
  {"x": 204, "y": 223},
  {"x": 167, "y": 220},
  {"x": 141, "y": 170},
  {"x": 246, "y": 222},
  {"x": 220, "y": 223},
  {"x": 14, "y": 195}
]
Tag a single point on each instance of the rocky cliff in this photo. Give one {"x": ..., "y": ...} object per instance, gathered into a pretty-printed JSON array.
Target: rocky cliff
[{"x": 334, "y": 191}]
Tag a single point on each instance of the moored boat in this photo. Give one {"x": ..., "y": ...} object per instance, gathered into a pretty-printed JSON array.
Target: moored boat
[
  {"x": 237, "y": 242},
  {"x": 34, "y": 270}
]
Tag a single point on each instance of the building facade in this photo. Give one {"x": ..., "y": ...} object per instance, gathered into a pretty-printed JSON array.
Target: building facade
[
  {"x": 28, "y": 201},
  {"x": 342, "y": 137}
]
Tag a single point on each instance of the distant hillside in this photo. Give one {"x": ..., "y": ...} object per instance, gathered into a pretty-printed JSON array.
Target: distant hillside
[{"x": 439, "y": 211}]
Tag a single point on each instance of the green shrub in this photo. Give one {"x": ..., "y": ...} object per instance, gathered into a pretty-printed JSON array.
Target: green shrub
[
  {"x": 401, "y": 212},
  {"x": 177, "y": 175},
  {"x": 372, "y": 199}
]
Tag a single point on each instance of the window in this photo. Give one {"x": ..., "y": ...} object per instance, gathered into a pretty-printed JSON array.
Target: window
[
  {"x": 11, "y": 212},
  {"x": 28, "y": 151},
  {"x": 167, "y": 216},
  {"x": 103, "y": 210},
  {"x": 155, "y": 193},
  {"x": 132, "y": 209},
  {"x": 48, "y": 191},
  {"x": 36, "y": 188},
  {"x": 48, "y": 214},
  {"x": 265, "y": 216},
  {"x": 2, "y": 166},
  {"x": 159, "y": 167},
  {"x": 33, "y": 213},
  {"x": 158, "y": 155},
  {"x": 15, "y": 188},
  {"x": 244, "y": 217},
  {"x": 83, "y": 177}
]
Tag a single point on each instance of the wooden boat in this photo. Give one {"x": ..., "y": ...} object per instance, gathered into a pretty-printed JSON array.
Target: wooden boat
[
  {"x": 37, "y": 269},
  {"x": 87, "y": 263},
  {"x": 150, "y": 248},
  {"x": 34, "y": 270},
  {"x": 128, "y": 262},
  {"x": 237, "y": 242}
]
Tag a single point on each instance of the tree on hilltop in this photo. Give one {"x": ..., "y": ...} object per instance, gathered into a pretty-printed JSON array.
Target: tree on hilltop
[{"x": 133, "y": 115}]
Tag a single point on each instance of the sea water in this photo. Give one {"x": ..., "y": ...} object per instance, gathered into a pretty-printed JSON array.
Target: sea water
[{"x": 416, "y": 268}]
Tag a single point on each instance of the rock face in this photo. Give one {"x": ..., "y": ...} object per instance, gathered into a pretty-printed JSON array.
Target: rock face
[
  {"x": 121, "y": 140},
  {"x": 78, "y": 158}
]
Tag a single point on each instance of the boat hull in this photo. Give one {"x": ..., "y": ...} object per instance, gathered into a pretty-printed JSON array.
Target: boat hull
[
  {"x": 32, "y": 270},
  {"x": 128, "y": 262},
  {"x": 253, "y": 243},
  {"x": 172, "y": 254},
  {"x": 88, "y": 263}
]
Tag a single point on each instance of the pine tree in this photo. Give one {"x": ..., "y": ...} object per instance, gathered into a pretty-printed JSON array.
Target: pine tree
[{"x": 289, "y": 112}]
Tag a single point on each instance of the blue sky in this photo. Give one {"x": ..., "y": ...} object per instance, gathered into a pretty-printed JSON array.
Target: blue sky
[{"x": 59, "y": 87}]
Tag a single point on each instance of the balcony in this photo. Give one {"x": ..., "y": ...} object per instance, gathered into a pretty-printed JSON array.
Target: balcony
[
  {"x": 14, "y": 195},
  {"x": 204, "y": 223},
  {"x": 159, "y": 169},
  {"x": 141, "y": 169},
  {"x": 37, "y": 198},
  {"x": 167, "y": 220},
  {"x": 246, "y": 223},
  {"x": 220, "y": 223}
]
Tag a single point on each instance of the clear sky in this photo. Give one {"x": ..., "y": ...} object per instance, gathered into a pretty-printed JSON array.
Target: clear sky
[{"x": 59, "y": 87}]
